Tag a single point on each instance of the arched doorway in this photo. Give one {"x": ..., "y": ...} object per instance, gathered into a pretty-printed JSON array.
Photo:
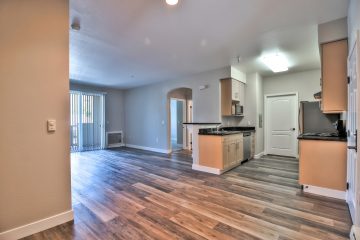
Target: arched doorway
[{"x": 179, "y": 111}]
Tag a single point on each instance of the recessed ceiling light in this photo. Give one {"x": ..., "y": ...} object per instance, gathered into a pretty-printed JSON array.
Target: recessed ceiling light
[
  {"x": 172, "y": 2},
  {"x": 276, "y": 62}
]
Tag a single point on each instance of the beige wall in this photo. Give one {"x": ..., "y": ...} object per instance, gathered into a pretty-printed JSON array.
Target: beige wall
[{"x": 34, "y": 86}]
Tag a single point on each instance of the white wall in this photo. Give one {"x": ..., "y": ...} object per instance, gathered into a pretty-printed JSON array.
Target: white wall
[
  {"x": 34, "y": 87},
  {"x": 114, "y": 105},
  {"x": 305, "y": 83},
  {"x": 147, "y": 116},
  {"x": 353, "y": 20}
]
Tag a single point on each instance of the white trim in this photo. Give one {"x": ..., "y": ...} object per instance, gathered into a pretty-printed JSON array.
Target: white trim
[
  {"x": 200, "y": 168},
  {"x": 327, "y": 192},
  {"x": 183, "y": 120},
  {"x": 88, "y": 91},
  {"x": 266, "y": 96},
  {"x": 38, "y": 226},
  {"x": 257, "y": 156},
  {"x": 158, "y": 150}
]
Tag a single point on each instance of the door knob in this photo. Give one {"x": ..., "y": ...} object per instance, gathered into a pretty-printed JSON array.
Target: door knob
[{"x": 292, "y": 129}]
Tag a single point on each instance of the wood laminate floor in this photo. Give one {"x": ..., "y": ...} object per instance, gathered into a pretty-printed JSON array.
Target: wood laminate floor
[{"x": 132, "y": 194}]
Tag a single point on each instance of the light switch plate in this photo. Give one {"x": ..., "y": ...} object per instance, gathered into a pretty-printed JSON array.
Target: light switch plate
[{"x": 51, "y": 125}]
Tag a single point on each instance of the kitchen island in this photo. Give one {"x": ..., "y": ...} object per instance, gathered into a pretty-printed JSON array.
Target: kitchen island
[
  {"x": 322, "y": 164},
  {"x": 223, "y": 149}
]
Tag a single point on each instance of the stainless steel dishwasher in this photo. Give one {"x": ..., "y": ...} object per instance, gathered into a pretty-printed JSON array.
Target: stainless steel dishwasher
[{"x": 247, "y": 145}]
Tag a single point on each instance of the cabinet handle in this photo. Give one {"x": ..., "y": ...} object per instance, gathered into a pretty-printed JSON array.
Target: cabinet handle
[{"x": 352, "y": 148}]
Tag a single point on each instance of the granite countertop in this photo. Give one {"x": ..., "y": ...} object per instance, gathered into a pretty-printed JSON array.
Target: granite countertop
[
  {"x": 200, "y": 123},
  {"x": 322, "y": 137},
  {"x": 225, "y": 131}
]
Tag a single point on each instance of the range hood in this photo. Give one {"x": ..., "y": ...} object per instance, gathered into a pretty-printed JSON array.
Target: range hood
[{"x": 317, "y": 96}]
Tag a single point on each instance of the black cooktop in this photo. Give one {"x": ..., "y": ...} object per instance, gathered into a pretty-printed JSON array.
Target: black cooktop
[{"x": 321, "y": 134}]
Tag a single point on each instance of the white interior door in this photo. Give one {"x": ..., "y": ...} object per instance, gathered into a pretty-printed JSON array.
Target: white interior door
[
  {"x": 281, "y": 124},
  {"x": 352, "y": 118}
]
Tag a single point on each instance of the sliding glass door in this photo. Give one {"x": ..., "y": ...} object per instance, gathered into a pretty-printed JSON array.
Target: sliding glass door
[{"x": 87, "y": 118}]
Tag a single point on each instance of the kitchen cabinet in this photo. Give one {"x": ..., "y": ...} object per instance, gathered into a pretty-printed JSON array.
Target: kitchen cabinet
[
  {"x": 323, "y": 164},
  {"x": 334, "y": 76},
  {"x": 232, "y": 93},
  {"x": 221, "y": 152}
]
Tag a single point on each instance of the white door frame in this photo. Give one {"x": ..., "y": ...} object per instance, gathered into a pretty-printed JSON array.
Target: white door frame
[
  {"x": 184, "y": 120},
  {"x": 266, "y": 123},
  {"x": 355, "y": 49}
]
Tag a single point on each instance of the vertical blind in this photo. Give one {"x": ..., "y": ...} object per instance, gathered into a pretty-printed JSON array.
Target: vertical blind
[{"x": 87, "y": 117}]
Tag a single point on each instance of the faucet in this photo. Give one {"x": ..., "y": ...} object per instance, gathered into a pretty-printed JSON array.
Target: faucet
[{"x": 218, "y": 127}]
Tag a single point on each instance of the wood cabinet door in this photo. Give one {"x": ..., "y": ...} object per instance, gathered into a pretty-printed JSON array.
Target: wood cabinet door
[
  {"x": 334, "y": 76},
  {"x": 240, "y": 151},
  {"x": 232, "y": 153},
  {"x": 226, "y": 97},
  {"x": 323, "y": 164},
  {"x": 226, "y": 156}
]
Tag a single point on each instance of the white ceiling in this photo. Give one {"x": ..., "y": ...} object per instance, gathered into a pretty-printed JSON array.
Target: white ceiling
[{"x": 128, "y": 43}]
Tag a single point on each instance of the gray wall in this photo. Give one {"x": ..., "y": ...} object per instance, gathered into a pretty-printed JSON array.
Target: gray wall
[
  {"x": 254, "y": 105},
  {"x": 114, "y": 105},
  {"x": 332, "y": 31},
  {"x": 147, "y": 116},
  {"x": 305, "y": 83},
  {"x": 353, "y": 20},
  {"x": 259, "y": 144}
]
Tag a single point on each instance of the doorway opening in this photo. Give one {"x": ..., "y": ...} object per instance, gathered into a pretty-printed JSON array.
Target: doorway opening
[
  {"x": 178, "y": 116},
  {"x": 281, "y": 124},
  {"x": 87, "y": 117},
  {"x": 180, "y": 111}
]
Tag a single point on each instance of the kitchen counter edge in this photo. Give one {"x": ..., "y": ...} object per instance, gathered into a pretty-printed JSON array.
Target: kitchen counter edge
[{"x": 321, "y": 138}]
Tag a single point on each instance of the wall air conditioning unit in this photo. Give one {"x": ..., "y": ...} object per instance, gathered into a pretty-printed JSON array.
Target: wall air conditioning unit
[{"x": 114, "y": 139}]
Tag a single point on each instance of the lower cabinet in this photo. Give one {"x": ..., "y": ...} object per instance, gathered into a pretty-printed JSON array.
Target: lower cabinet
[
  {"x": 323, "y": 164},
  {"x": 221, "y": 152}
]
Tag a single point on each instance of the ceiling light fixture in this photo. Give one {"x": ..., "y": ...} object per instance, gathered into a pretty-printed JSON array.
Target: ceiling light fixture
[
  {"x": 172, "y": 2},
  {"x": 277, "y": 63}
]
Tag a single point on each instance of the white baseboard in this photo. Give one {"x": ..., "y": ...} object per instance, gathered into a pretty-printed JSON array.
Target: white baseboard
[
  {"x": 325, "y": 192},
  {"x": 257, "y": 156},
  {"x": 38, "y": 226},
  {"x": 115, "y": 146},
  {"x": 200, "y": 168},
  {"x": 158, "y": 150}
]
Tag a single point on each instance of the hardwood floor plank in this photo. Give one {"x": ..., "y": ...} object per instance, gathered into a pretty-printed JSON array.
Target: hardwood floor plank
[{"x": 134, "y": 194}]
